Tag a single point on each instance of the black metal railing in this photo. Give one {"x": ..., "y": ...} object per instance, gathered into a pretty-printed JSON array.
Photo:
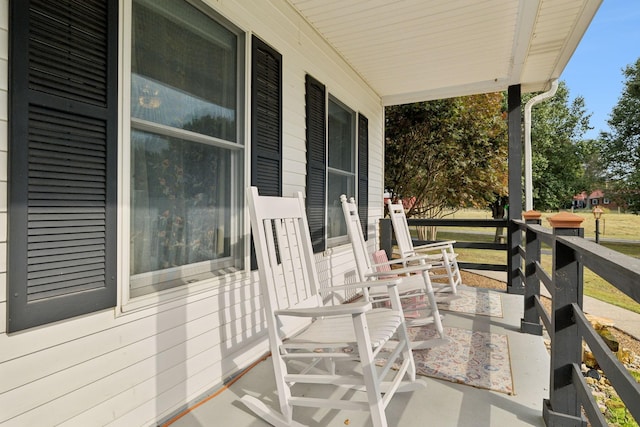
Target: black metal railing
[{"x": 567, "y": 325}]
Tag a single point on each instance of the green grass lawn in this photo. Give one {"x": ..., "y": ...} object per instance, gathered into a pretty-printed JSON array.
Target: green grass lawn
[
  {"x": 594, "y": 286},
  {"x": 613, "y": 225}
]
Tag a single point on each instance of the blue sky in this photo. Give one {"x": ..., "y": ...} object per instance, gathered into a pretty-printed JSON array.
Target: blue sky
[{"x": 611, "y": 42}]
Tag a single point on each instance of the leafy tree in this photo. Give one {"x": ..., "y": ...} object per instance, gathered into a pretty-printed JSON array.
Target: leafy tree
[
  {"x": 558, "y": 152},
  {"x": 446, "y": 153},
  {"x": 621, "y": 148},
  {"x": 594, "y": 174}
]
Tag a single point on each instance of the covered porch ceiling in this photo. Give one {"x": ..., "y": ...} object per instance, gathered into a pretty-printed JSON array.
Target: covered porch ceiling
[{"x": 418, "y": 50}]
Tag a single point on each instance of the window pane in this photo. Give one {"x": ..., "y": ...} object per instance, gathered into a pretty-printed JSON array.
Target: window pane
[
  {"x": 338, "y": 184},
  {"x": 341, "y": 168},
  {"x": 180, "y": 204},
  {"x": 341, "y": 138},
  {"x": 184, "y": 69}
]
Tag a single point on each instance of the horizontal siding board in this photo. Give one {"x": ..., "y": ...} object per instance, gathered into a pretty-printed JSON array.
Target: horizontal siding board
[
  {"x": 61, "y": 348},
  {"x": 151, "y": 360},
  {"x": 154, "y": 408}
]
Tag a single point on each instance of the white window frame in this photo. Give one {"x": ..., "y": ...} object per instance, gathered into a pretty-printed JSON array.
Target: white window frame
[{"x": 127, "y": 303}]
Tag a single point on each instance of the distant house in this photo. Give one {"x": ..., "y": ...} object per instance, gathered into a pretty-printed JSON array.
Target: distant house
[
  {"x": 597, "y": 197},
  {"x": 590, "y": 200},
  {"x": 579, "y": 201}
]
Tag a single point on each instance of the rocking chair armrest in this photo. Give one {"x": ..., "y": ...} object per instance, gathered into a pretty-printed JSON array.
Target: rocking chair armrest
[
  {"x": 436, "y": 245},
  {"x": 413, "y": 258},
  {"x": 389, "y": 262},
  {"x": 401, "y": 271},
  {"x": 327, "y": 311},
  {"x": 389, "y": 281}
]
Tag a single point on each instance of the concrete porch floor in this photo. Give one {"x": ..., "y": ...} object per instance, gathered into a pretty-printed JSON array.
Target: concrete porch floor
[{"x": 442, "y": 403}]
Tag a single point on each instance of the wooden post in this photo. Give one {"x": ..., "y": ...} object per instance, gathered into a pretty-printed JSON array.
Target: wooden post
[
  {"x": 514, "y": 238},
  {"x": 563, "y": 406},
  {"x": 530, "y": 323}
]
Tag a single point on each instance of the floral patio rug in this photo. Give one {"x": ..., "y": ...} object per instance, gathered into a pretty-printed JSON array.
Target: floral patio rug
[
  {"x": 478, "y": 359},
  {"x": 468, "y": 300},
  {"x": 474, "y": 300}
]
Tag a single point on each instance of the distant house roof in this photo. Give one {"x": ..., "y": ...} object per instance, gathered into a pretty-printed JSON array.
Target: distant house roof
[{"x": 596, "y": 194}]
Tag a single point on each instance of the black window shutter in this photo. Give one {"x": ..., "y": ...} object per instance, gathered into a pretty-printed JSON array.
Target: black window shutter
[
  {"x": 363, "y": 172},
  {"x": 266, "y": 119},
  {"x": 266, "y": 122},
  {"x": 63, "y": 142},
  {"x": 316, "y": 161}
]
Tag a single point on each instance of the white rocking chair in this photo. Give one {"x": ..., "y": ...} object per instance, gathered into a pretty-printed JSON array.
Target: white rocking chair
[
  {"x": 415, "y": 280},
  {"x": 440, "y": 254},
  {"x": 304, "y": 331}
]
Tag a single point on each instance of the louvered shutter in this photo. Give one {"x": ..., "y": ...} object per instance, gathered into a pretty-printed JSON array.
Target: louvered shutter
[
  {"x": 266, "y": 122},
  {"x": 363, "y": 172},
  {"x": 63, "y": 141},
  {"x": 316, "y": 161},
  {"x": 266, "y": 116}
]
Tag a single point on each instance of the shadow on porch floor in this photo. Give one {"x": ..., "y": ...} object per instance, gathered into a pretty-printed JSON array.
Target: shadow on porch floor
[{"x": 441, "y": 404}]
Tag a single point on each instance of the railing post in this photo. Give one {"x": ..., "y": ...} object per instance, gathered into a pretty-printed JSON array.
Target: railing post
[
  {"x": 386, "y": 241},
  {"x": 563, "y": 406},
  {"x": 514, "y": 236},
  {"x": 530, "y": 323}
]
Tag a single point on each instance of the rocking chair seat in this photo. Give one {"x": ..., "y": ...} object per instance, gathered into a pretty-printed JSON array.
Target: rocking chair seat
[{"x": 338, "y": 331}]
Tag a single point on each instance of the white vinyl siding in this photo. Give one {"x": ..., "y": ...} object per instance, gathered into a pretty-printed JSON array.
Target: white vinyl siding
[{"x": 138, "y": 366}]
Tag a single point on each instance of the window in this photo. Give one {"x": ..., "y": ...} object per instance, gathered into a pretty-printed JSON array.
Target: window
[
  {"x": 341, "y": 168},
  {"x": 63, "y": 156},
  {"x": 186, "y": 146},
  {"x": 336, "y": 165},
  {"x": 594, "y": 202}
]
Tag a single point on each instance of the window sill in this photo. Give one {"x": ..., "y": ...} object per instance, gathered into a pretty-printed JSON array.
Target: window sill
[{"x": 179, "y": 295}]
